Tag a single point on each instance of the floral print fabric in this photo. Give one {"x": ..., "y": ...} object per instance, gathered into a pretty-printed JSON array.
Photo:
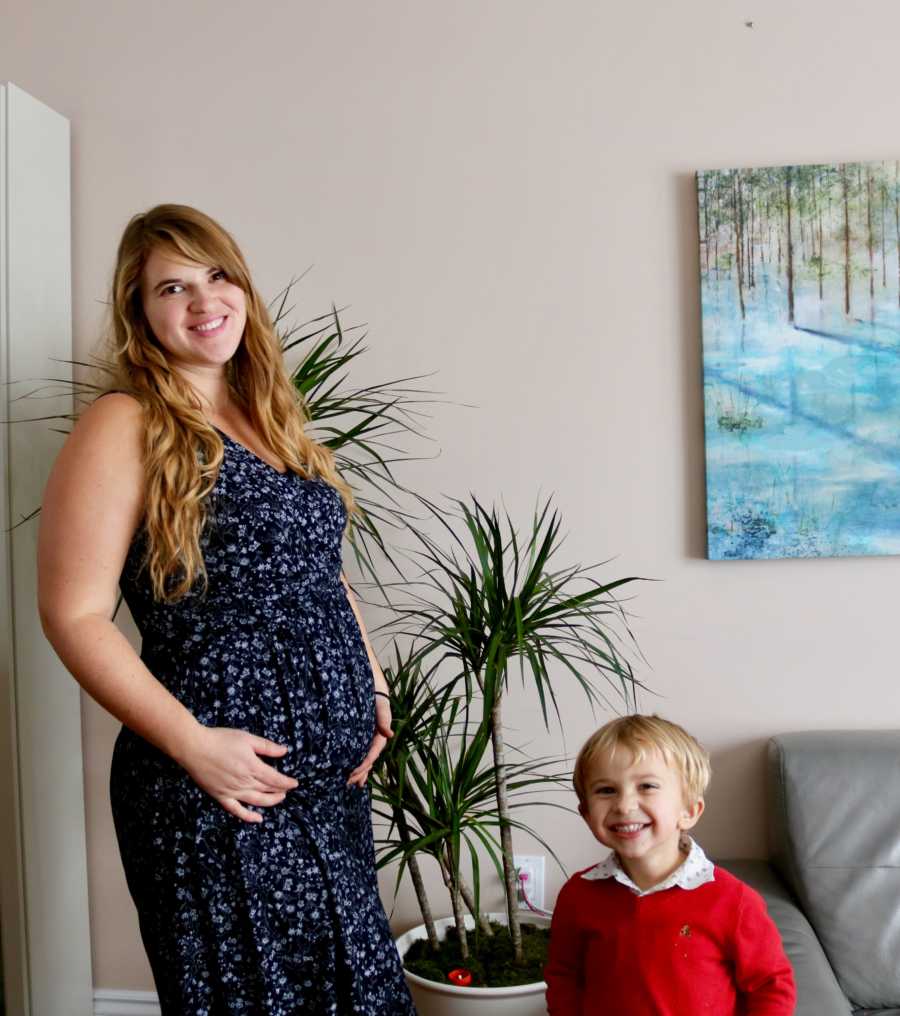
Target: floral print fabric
[{"x": 281, "y": 917}]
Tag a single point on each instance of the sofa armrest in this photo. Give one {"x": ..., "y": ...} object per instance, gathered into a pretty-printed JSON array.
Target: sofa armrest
[{"x": 818, "y": 992}]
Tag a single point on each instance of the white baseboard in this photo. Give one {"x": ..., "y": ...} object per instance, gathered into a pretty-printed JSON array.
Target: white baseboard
[{"x": 115, "y": 1002}]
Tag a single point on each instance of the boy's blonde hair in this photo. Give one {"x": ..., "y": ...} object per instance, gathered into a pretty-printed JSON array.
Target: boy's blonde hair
[{"x": 642, "y": 735}]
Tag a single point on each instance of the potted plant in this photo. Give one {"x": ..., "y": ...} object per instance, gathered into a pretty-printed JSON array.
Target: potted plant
[{"x": 448, "y": 786}]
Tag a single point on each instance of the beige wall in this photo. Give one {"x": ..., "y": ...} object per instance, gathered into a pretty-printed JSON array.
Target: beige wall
[{"x": 502, "y": 190}]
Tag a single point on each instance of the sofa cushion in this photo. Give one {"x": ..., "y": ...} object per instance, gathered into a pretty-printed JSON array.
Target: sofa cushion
[
  {"x": 818, "y": 993},
  {"x": 835, "y": 829}
]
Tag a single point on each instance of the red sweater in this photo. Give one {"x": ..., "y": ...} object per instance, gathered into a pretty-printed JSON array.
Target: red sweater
[{"x": 678, "y": 952}]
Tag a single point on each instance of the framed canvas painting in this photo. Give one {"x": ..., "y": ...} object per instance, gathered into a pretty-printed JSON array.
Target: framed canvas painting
[{"x": 800, "y": 307}]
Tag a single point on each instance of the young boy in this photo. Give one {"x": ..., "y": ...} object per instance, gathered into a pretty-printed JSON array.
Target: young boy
[{"x": 657, "y": 929}]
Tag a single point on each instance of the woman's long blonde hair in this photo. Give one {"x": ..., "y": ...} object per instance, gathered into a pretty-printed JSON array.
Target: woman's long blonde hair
[{"x": 182, "y": 451}]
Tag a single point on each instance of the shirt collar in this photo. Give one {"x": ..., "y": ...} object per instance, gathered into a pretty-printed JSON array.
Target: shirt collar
[{"x": 695, "y": 870}]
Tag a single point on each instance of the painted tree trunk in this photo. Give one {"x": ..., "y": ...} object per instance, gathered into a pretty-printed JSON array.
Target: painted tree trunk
[
  {"x": 738, "y": 259},
  {"x": 871, "y": 236},
  {"x": 883, "y": 194},
  {"x": 845, "y": 186},
  {"x": 897, "y": 222},
  {"x": 790, "y": 246}
]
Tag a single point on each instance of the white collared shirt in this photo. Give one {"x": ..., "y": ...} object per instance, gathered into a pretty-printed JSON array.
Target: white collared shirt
[{"x": 695, "y": 870}]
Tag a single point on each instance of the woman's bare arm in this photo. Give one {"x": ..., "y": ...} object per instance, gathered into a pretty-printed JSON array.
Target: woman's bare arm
[
  {"x": 383, "y": 716},
  {"x": 377, "y": 674},
  {"x": 92, "y": 505}
]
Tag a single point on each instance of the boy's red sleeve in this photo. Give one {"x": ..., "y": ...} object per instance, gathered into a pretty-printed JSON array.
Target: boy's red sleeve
[
  {"x": 564, "y": 972},
  {"x": 763, "y": 973}
]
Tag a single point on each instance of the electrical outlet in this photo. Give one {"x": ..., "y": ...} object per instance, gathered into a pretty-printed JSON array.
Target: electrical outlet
[{"x": 533, "y": 867}]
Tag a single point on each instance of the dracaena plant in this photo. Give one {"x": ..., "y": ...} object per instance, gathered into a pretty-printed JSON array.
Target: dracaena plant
[
  {"x": 435, "y": 790},
  {"x": 369, "y": 428},
  {"x": 487, "y": 602}
]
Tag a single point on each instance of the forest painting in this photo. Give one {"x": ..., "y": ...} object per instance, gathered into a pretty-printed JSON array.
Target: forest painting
[{"x": 800, "y": 288}]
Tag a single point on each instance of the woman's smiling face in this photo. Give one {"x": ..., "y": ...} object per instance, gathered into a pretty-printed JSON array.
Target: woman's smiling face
[{"x": 195, "y": 312}]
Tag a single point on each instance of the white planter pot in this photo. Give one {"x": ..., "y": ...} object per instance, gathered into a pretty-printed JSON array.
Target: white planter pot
[{"x": 434, "y": 999}]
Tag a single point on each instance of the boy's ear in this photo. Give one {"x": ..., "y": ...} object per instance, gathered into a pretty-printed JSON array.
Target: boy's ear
[
  {"x": 582, "y": 810},
  {"x": 691, "y": 814}
]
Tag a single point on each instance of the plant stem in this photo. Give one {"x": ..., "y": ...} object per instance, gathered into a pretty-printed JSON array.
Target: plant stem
[
  {"x": 458, "y": 917},
  {"x": 469, "y": 900},
  {"x": 506, "y": 844},
  {"x": 415, "y": 874}
]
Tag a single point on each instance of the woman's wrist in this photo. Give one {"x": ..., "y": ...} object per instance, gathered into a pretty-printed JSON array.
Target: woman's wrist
[
  {"x": 383, "y": 694},
  {"x": 186, "y": 742}
]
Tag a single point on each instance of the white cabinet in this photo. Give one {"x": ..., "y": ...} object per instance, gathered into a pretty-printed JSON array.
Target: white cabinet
[{"x": 43, "y": 872}]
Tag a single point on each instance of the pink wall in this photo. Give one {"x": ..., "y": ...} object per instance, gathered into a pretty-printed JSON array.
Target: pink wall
[{"x": 503, "y": 192}]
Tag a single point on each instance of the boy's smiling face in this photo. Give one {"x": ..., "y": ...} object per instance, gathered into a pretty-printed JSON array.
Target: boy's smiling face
[{"x": 638, "y": 809}]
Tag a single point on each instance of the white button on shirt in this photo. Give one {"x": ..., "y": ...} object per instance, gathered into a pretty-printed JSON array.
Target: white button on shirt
[{"x": 695, "y": 870}]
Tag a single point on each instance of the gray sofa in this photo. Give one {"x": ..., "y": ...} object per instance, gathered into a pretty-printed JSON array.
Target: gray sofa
[{"x": 833, "y": 883}]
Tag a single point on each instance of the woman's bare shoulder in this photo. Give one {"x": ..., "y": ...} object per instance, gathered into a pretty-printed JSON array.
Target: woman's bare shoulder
[
  {"x": 115, "y": 418},
  {"x": 115, "y": 407},
  {"x": 107, "y": 438}
]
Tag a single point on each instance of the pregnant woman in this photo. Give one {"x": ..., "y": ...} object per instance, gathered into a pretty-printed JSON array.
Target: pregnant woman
[{"x": 256, "y": 708}]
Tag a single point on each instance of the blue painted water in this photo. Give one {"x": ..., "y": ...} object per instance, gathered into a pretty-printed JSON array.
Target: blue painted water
[{"x": 802, "y": 422}]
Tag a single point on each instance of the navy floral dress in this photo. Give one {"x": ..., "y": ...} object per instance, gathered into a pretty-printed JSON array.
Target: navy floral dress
[{"x": 280, "y": 917}]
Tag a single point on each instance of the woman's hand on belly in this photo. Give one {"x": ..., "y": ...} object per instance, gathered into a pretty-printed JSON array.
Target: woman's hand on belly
[
  {"x": 382, "y": 732},
  {"x": 225, "y": 763}
]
